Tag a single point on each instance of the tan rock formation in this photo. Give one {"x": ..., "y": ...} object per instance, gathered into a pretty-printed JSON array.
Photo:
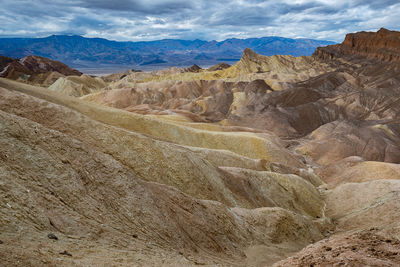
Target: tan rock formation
[
  {"x": 341, "y": 139},
  {"x": 273, "y": 161},
  {"x": 118, "y": 187},
  {"x": 367, "y": 248},
  {"x": 355, "y": 170},
  {"x": 78, "y": 85}
]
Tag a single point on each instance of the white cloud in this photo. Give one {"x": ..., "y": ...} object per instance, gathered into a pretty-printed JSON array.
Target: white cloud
[{"x": 144, "y": 20}]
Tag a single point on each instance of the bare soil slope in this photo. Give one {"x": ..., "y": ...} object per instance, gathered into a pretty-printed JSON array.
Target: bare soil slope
[{"x": 274, "y": 161}]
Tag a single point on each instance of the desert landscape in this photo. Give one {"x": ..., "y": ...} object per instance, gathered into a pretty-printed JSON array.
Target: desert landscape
[{"x": 272, "y": 161}]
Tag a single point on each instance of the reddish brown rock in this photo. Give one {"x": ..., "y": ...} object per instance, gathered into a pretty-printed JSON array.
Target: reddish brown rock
[
  {"x": 194, "y": 68},
  {"x": 34, "y": 69},
  {"x": 382, "y": 45},
  {"x": 220, "y": 66}
]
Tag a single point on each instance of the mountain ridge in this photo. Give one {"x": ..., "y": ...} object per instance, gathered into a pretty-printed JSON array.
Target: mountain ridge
[{"x": 79, "y": 51}]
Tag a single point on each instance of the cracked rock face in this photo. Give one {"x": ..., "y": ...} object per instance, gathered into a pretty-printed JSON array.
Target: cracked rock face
[{"x": 272, "y": 161}]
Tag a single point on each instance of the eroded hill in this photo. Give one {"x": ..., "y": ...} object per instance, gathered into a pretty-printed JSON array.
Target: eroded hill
[
  {"x": 34, "y": 70},
  {"x": 272, "y": 161}
]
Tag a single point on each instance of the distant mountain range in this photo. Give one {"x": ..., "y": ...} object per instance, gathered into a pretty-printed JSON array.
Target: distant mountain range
[{"x": 81, "y": 52}]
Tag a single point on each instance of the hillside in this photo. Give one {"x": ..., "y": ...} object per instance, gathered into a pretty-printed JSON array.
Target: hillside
[{"x": 273, "y": 161}]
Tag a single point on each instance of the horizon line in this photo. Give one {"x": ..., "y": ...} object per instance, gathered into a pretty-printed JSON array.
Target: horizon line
[{"x": 177, "y": 39}]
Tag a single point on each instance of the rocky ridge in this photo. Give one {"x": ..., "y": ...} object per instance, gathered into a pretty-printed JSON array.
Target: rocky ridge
[
  {"x": 96, "y": 52},
  {"x": 383, "y": 45}
]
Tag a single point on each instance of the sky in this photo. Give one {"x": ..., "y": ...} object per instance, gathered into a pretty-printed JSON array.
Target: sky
[{"x": 144, "y": 20}]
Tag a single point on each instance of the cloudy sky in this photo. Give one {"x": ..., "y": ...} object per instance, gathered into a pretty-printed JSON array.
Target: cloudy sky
[{"x": 196, "y": 19}]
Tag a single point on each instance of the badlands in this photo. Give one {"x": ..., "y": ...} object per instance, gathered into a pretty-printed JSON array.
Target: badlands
[{"x": 273, "y": 161}]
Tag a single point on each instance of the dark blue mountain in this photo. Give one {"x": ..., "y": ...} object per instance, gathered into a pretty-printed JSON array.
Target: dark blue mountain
[{"x": 78, "y": 51}]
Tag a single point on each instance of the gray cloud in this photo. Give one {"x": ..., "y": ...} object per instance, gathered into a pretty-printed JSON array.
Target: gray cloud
[
  {"x": 153, "y": 7},
  {"x": 148, "y": 20}
]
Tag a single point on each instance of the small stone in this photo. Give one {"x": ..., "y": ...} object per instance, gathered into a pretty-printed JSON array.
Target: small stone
[
  {"x": 52, "y": 236},
  {"x": 66, "y": 253}
]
